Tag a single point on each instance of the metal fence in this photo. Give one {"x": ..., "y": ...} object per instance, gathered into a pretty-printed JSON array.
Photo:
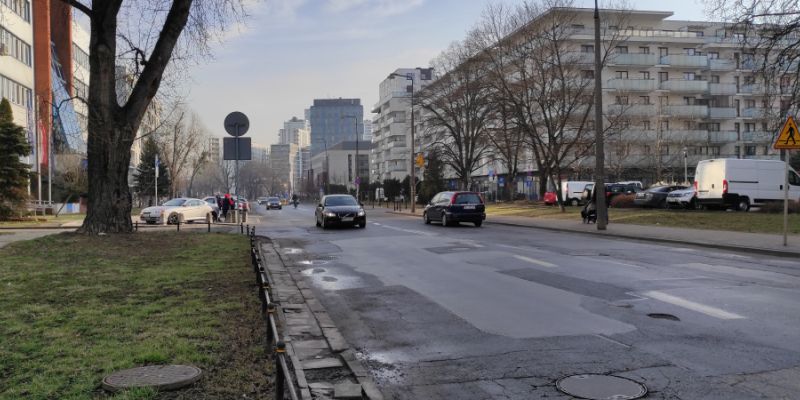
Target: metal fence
[{"x": 283, "y": 380}]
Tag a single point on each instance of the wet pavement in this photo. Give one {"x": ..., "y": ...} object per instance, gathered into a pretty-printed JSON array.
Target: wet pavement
[{"x": 503, "y": 312}]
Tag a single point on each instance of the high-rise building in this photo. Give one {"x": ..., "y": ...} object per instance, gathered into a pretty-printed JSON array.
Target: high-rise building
[
  {"x": 391, "y": 126},
  {"x": 293, "y": 131},
  {"x": 367, "y": 131},
  {"x": 259, "y": 153},
  {"x": 333, "y": 121},
  {"x": 302, "y": 165},
  {"x": 282, "y": 159},
  {"x": 215, "y": 149}
]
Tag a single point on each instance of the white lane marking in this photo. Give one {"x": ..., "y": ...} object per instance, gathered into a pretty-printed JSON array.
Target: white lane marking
[
  {"x": 613, "y": 341},
  {"x": 673, "y": 279},
  {"x": 690, "y": 305},
  {"x": 409, "y": 231},
  {"x": 376, "y": 223},
  {"x": 535, "y": 261}
]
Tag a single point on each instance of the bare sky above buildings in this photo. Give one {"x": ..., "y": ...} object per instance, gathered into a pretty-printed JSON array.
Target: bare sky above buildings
[{"x": 293, "y": 51}]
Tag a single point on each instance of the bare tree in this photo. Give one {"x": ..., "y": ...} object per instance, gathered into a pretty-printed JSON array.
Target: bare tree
[
  {"x": 183, "y": 142},
  {"x": 456, "y": 109},
  {"x": 147, "y": 34}
]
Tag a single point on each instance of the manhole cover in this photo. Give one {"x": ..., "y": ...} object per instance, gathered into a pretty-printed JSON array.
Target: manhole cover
[
  {"x": 663, "y": 316},
  {"x": 159, "y": 377},
  {"x": 601, "y": 387}
]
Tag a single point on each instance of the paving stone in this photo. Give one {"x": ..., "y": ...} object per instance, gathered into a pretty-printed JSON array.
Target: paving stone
[
  {"x": 310, "y": 344},
  {"x": 299, "y": 330},
  {"x": 290, "y": 306},
  {"x": 307, "y": 293},
  {"x": 371, "y": 390},
  {"x": 321, "y": 363},
  {"x": 312, "y": 354},
  {"x": 335, "y": 339},
  {"x": 315, "y": 305},
  {"x": 347, "y": 391},
  {"x": 324, "y": 320}
]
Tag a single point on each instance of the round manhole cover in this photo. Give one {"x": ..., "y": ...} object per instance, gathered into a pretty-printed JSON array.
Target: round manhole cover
[
  {"x": 601, "y": 387},
  {"x": 159, "y": 377}
]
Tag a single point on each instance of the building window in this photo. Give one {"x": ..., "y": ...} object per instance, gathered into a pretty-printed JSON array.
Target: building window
[
  {"x": 622, "y": 100},
  {"x": 646, "y": 125},
  {"x": 749, "y": 127},
  {"x": 644, "y": 99},
  {"x": 80, "y": 56},
  {"x": 622, "y": 74},
  {"x": 80, "y": 89},
  {"x": 15, "y": 92},
  {"x": 587, "y": 48},
  {"x": 688, "y": 76},
  {"x": 714, "y": 126},
  {"x": 622, "y": 49},
  {"x": 15, "y": 46},
  {"x": 19, "y": 7},
  {"x": 644, "y": 50},
  {"x": 713, "y": 55},
  {"x": 663, "y": 76},
  {"x": 689, "y": 51},
  {"x": 664, "y": 125},
  {"x": 644, "y": 74},
  {"x": 663, "y": 51},
  {"x": 587, "y": 74},
  {"x": 715, "y": 150},
  {"x": 714, "y": 78},
  {"x": 750, "y": 150}
]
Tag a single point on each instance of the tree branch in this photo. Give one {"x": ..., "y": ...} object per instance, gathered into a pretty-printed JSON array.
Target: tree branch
[{"x": 80, "y": 6}]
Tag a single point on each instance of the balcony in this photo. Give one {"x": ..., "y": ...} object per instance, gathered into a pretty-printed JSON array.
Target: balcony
[
  {"x": 758, "y": 136},
  {"x": 680, "y": 85},
  {"x": 634, "y": 110},
  {"x": 721, "y": 112},
  {"x": 579, "y": 57},
  {"x": 754, "y": 113},
  {"x": 722, "y": 136},
  {"x": 633, "y": 59},
  {"x": 395, "y": 145},
  {"x": 718, "y": 64},
  {"x": 689, "y": 111},
  {"x": 678, "y": 136},
  {"x": 759, "y": 89},
  {"x": 683, "y": 60},
  {"x": 726, "y": 89},
  {"x": 644, "y": 85}
]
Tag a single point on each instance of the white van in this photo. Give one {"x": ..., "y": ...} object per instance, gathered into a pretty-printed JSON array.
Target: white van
[
  {"x": 740, "y": 183},
  {"x": 571, "y": 191}
]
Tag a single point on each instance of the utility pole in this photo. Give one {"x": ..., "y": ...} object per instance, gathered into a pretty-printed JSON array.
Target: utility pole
[{"x": 599, "y": 168}]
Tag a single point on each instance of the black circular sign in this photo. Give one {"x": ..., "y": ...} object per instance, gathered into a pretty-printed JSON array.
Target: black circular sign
[{"x": 236, "y": 124}]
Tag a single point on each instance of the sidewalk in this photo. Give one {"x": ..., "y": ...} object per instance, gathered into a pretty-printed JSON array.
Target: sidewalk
[{"x": 759, "y": 243}]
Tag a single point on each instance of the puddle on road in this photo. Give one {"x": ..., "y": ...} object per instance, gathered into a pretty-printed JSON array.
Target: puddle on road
[
  {"x": 292, "y": 250},
  {"x": 313, "y": 262},
  {"x": 311, "y": 271},
  {"x": 329, "y": 279}
]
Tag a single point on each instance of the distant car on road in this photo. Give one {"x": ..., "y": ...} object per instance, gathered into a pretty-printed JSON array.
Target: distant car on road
[
  {"x": 655, "y": 196},
  {"x": 340, "y": 209},
  {"x": 454, "y": 207},
  {"x": 274, "y": 202},
  {"x": 685, "y": 198},
  {"x": 212, "y": 202},
  {"x": 262, "y": 200},
  {"x": 181, "y": 209}
]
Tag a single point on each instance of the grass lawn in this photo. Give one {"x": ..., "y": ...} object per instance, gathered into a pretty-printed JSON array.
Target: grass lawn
[
  {"x": 74, "y": 309},
  {"x": 755, "y": 222},
  {"x": 43, "y": 221}
]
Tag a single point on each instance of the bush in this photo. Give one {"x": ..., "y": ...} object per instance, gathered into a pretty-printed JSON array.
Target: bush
[
  {"x": 776, "y": 207},
  {"x": 623, "y": 201}
]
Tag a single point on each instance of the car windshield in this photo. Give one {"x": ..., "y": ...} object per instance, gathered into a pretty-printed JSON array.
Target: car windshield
[
  {"x": 273, "y": 199},
  {"x": 175, "y": 202},
  {"x": 341, "y": 201}
]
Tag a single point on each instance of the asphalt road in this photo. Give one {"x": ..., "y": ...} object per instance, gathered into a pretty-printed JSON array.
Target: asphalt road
[{"x": 502, "y": 312}]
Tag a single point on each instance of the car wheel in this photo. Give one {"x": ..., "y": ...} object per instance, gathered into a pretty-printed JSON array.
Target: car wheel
[
  {"x": 425, "y": 218},
  {"x": 478, "y": 224},
  {"x": 692, "y": 204},
  {"x": 573, "y": 202},
  {"x": 362, "y": 225},
  {"x": 445, "y": 222},
  {"x": 324, "y": 224},
  {"x": 173, "y": 219},
  {"x": 743, "y": 204}
]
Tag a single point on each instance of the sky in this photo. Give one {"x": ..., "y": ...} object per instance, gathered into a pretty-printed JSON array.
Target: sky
[{"x": 290, "y": 52}]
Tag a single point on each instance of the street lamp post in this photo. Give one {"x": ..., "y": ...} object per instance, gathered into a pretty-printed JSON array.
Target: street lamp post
[
  {"x": 685, "y": 165},
  {"x": 410, "y": 77},
  {"x": 599, "y": 167}
]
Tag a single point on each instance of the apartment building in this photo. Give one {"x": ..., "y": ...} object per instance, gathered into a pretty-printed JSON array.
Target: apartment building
[
  {"x": 294, "y": 131},
  {"x": 681, "y": 92},
  {"x": 391, "y": 125}
]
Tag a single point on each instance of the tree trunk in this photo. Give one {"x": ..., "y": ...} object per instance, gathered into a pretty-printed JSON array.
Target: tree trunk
[{"x": 109, "y": 203}]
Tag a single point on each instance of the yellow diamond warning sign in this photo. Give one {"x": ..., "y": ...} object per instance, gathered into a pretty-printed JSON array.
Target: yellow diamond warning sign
[{"x": 789, "y": 137}]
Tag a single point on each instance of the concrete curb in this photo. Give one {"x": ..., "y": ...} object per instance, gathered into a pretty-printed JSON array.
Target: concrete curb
[{"x": 755, "y": 250}]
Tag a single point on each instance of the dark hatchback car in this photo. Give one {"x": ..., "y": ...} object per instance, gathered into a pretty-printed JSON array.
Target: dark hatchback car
[
  {"x": 454, "y": 207},
  {"x": 274, "y": 202},
  {"x": 340, "y": 209},
  {"x": 655, "y": 196}
]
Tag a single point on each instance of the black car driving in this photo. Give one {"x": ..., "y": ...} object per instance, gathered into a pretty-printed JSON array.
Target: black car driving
[
  {"x": 454, "y": 207},
  {"x": 655, "y": 196},
  {"x": 340, "y": 209}
]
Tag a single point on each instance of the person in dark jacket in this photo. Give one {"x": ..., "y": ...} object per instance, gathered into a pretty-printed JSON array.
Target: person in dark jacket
[{"x": 227, "y": 205}]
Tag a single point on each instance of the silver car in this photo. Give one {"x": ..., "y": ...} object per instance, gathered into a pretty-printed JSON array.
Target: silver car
[{"x": 180, "y": 209}]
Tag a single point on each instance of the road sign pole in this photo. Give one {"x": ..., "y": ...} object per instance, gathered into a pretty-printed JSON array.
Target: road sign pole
[
  {"x": 236, "y": 165},
  {"x": 786, "y": 197}
]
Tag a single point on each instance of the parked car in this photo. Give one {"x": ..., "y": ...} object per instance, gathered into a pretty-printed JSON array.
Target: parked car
[
  {"x": 455, "y": 207},
  {"x": 241, "y": 203},
  {"x": 181, "y": 209},
  {"x": 212, "y": 202},
  {"x": 741, "y": 183},
  {"x": 262, "y": 200},
  {"x": 340, "y": 209},
  {"x": 571, "y": 191},
  {"x": 550, "y": 198},
  {"x": 655, "y": 196},
  {"x": 613, "y": 190},
  {"x": 685, "y": 198},
  {"x": 274, "y": 202}
]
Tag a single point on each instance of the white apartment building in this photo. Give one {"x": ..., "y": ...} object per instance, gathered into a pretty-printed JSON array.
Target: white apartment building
[
  {"x": 367, "y": 137},
  {"x": 391, "y": 125},
  {"x": 16, "y": 59},
  {"x": 294, "y": 131},
  {"x": 259, "y": 153},
  {"x": 687, "y": 91}
]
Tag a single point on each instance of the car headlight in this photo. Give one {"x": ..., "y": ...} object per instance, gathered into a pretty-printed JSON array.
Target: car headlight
[
  {"x": 361, "y": 213},
  {"x": 330, "y": 214}
]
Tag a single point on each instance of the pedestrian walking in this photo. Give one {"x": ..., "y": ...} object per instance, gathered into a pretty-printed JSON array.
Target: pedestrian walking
[{"x": 227, "y": 204}]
